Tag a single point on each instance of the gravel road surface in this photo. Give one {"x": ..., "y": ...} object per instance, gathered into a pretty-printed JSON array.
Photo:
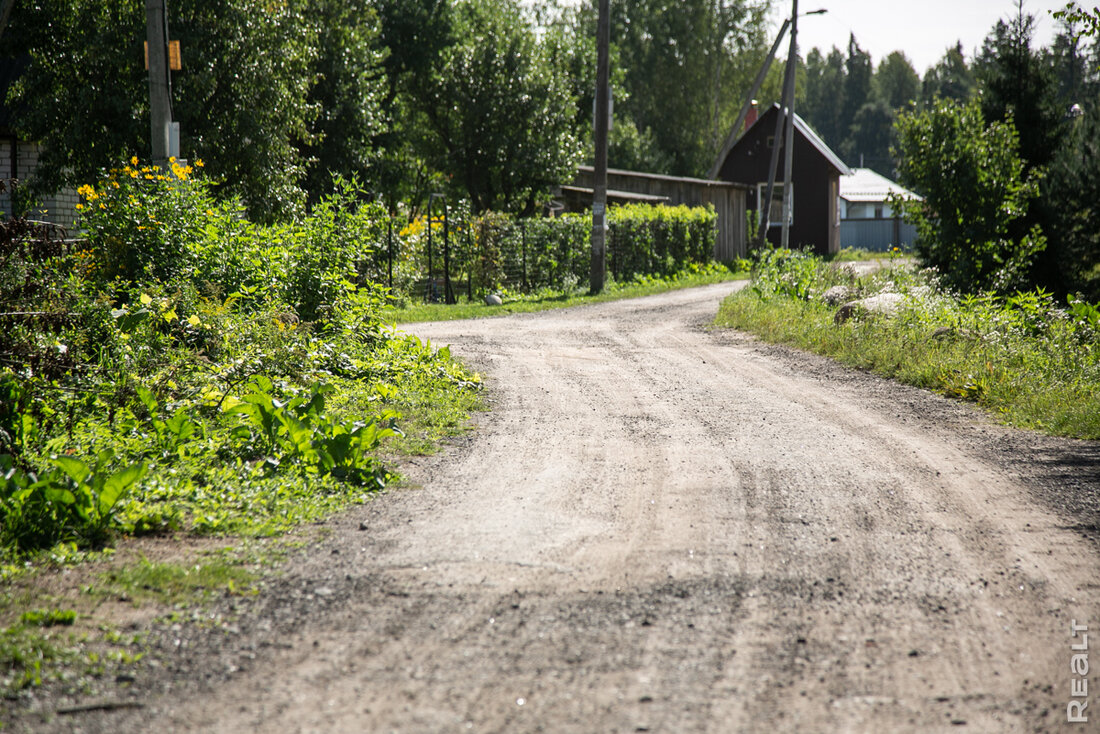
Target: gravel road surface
[{"x": 663, "y": 527}]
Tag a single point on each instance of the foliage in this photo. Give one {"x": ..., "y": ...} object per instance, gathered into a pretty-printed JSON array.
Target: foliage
[
  {"x": 951, "y": 78},
  {"x": 972, "y": 179},
  {"x": 1074, "y": 13},
  {"x": 1017, "y": 85},
  {"x": 73, "y": 501},
  {"x": 218, "y": 375},
  {"x": 1018, "y": 355},
  {"x": 261, "y": 88},
  {"x": 139, "y": 221},
  {"x": 1071, "y": 191},
  {"x": 348, "y": 94},
  {"x": 686, "y": 66},
  {"x": 499, "y": 111}
]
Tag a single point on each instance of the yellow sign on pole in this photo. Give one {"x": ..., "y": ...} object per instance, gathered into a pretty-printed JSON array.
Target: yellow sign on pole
[{"x": 174, "y": 62}]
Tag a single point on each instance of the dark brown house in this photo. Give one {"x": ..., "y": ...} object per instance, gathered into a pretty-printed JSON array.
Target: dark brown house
[{"x": 815, "y": 179}]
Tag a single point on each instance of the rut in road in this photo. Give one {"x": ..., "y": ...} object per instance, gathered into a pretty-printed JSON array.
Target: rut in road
[{"x": 660, "y": 527}]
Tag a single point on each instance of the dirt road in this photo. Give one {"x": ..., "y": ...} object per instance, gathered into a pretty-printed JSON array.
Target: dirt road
[{"x": 665, "y": 528}]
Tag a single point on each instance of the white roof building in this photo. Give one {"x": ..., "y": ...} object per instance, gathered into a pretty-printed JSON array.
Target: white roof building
[{"x": 865, "y": 194}]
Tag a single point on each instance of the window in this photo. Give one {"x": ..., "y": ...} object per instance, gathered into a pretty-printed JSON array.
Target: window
[{"x": 775, "y": 217}]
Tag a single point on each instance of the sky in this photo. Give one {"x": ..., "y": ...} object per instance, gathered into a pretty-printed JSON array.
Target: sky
[{"x": 922, "y": 29}]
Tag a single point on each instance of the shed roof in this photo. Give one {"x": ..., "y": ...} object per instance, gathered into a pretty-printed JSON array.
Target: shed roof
[
  {"x": 865, "y": 185},
  {"x": 703, "y": 182},
  {"x": 800, "y": 125},
  {"x": 623, "y": 195}
]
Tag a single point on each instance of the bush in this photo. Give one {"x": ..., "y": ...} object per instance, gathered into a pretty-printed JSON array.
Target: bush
[{"x": 971, "y": 222}]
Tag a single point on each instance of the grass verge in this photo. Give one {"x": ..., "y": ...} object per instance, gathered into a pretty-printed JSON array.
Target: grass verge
[
  {"x": 545, "y": 300},
  {"x": 1022, "y": 358}
]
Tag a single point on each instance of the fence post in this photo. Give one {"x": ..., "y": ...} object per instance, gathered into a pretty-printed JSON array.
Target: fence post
[
  {"x": 469, "y": 260},
  {"x": 431, "y": 275},
  {"x": 523, "y": 245},
  {"x": 448, "y": 294},
  {"x": 389, "y": 248}
]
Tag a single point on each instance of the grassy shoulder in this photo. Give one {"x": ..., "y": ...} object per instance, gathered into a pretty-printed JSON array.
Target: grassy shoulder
[
  {"x": 413, "y": 312},
  {"x": 1024, "y": 359}
]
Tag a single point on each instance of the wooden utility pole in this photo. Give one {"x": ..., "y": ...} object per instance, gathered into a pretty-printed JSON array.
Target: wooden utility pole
[
  {"x": 600, "y": 130},
  {"x": 160, "y": 103},
  {"x": 788, "y": 143}
]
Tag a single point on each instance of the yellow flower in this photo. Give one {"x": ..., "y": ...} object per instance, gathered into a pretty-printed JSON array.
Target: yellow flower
[
  {"x": 134, "y": 161},
  {"x": 86, "y": 191},
  {"x": 79, "y": 207},
  {"x": 199, "y": 163},
  {"x": 171, "y": 159}
]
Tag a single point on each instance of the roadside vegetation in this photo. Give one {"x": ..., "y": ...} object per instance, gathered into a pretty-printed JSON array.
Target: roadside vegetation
[
  {"x": 1023, "y": 356},
  {"x": 182, "y": 372}
]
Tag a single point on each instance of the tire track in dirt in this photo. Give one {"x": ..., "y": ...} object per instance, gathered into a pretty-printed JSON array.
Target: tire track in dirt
[{"x": 661, "y": 527}]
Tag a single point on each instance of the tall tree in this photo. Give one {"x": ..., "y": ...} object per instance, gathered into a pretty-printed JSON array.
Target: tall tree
[
  {"x": 823, "y": 102},
  {"x": 896, "y": 82},
  {"x": 950, "y": 78},
  {"x": 414, "y": 34},
  {"x": 871, "y": 136},
  {"x": 1070, "y": 195},
  {"x": 500, "y": 115},
  {"x": 348, "y": 94},
  {"x": 687, "y": 64},
  {"x": 859, "y": 71},
  {"x": 241, "y": 100},
  {"x": 1017, "y": 84}
]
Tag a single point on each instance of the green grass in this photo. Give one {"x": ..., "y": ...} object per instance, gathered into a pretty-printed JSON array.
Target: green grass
[
  {"x": 174, "y": 583},
  {"x": 464, "y": 309},
  {"x": 1032, "y": 369}
]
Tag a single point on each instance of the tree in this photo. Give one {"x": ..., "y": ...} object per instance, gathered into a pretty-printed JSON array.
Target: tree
[
  {"x": 896, "y": 82},
  {"x": 414, "y": 33},
  {"x": 348, "y": 93},
  {"x": 950, "y": 78},
  {"x": 501, "y": 117},
  {"x": 871, "y": 137},
  {"x": 857, "y": 84},
  {"x": 975, "y": 190},
  {"x": 241, "y": 100},
  {"x": 1070, "y": 195},
  {"x": 1018, "y": 85},
  {"x": 687, "y": 64},
  {"x": 824, "y": 99}
]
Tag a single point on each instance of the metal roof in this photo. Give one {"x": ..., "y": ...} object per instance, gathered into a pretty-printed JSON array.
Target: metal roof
[
  {"x": 710, "y": 183},
  {"x": 865, "y": 185},
  {"x": 614, "y": 194},
  {"x": 800, "y": 125}
]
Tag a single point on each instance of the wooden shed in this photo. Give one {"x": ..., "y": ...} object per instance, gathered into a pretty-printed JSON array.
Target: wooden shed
[
  {"x": 727, "y": 198},
  {"x": 815, "y": 179}
]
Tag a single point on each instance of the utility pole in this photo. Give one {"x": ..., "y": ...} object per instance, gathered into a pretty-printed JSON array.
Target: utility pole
[
  {"x": 160, "y": 102},
  {"x": 788, "y": 144},
  {"x": 600, "y": 130},
  {"x": 765, "y": 204}
]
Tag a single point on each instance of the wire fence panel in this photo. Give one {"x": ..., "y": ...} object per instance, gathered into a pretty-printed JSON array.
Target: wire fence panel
[{"x": 494, "y": 252}]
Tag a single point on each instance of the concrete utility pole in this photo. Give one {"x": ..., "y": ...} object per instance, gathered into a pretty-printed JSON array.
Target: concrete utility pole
[
  {"x": 160, "y": 103},
  {"x": 600, "y": 130},
  {"x": 788, "y": 144}
]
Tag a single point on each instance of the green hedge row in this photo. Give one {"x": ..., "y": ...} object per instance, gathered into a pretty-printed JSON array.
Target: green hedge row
[{"x": 496, "y": 251}]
